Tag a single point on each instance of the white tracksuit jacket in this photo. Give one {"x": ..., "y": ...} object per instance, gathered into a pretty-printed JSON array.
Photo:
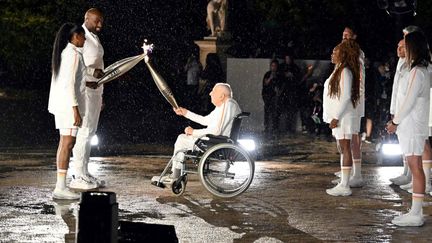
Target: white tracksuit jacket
[{"x": 68, "y": 87}]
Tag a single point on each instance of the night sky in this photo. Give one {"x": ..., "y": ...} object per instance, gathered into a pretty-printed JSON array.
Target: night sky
[{"x": 135, "y": 111}]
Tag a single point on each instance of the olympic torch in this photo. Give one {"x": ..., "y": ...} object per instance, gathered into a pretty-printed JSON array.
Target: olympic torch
[
  {"x": 160, "y": 82},
  {"x": 119, "y": 68}
]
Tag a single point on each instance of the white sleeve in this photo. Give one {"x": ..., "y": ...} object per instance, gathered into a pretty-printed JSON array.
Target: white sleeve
[
  {"x": 210, "y": 121},
  {"x": 203, "y": 120},
  {"x": 70, "y": 64},
  {"x": 345, "y": 84},
  {"x": 221, "y": 120},
  {"x": 415, "y": 86},
  {"x": 394, "y": 92}
]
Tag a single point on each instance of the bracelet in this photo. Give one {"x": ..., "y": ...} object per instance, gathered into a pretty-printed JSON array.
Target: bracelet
[{"x": 394, "y": 124}]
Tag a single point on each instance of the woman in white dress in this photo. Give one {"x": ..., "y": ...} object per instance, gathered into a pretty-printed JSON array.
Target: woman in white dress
[
  {"x": 66, "y": 99},
  {"x": 410, "y": 121},
  {"x": 340, "y": 98}
]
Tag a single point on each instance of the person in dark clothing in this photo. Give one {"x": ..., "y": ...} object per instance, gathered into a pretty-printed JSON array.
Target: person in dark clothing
[
  {"x": 270, "y": 93},
  {"x": 211, "y": 75},
  {"x": 370, "y": 100},
  {"x": 288, "y": 100}
]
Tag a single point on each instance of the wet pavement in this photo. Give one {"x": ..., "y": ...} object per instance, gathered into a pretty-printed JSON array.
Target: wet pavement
[{"x": 285, "y": 203}]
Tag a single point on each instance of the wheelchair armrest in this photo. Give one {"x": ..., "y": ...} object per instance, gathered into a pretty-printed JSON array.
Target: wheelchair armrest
[
  {"x": 210, "y": 140},
  {"x": 218, "y": 138}
]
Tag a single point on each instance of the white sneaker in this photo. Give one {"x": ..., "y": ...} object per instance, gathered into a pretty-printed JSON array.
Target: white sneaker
[
  {"x": 401, "y": 180},
  {"x": 408, "y": 220},
  {"x": 406, "y": 187},
  {"x": 339, "y": 173},
  {"x": 99, "y": 182},
  {"x": 353, "y": 181},
  {"x": 339, "y": 190},
  {"x": 168, "y": 179},
  {"x": 356, "y": 181},
  {"x": 82, "y": 183},
  {"x": 65, "y": 194},
  {"x": 336, "y": 181}
]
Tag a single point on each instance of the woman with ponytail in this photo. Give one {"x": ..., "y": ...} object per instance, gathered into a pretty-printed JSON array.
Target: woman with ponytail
[
  {"x": 66, "y": 98},
  {"x": 340, "y": 98},
  {"x": 410, "y": 121}
]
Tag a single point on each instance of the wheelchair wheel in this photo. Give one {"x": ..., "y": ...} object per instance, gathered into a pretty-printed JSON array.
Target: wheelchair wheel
[
  {"x": 178, "y": 187},
  {"x": 226, "y": 170}
]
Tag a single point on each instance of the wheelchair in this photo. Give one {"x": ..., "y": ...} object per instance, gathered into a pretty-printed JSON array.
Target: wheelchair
[{"x": 224, "y": 168}]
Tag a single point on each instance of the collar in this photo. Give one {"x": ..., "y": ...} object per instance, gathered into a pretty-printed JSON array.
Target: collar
[
  {"x": 72, "y": 46},
  {"x": 89, "y": 32}
]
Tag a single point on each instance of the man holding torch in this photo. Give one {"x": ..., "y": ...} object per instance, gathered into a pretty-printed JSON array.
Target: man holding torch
[{"x": 93, "y": 58}]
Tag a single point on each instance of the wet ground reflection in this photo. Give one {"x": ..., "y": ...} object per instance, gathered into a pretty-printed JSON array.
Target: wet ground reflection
[{"x": 286, "y": 201}]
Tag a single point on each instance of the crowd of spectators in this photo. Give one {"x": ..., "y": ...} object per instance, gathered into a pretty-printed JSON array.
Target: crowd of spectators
[{"x": 293, "y": 99}]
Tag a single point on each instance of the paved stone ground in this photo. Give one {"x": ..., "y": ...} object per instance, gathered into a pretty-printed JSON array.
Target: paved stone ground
[{"x": 285, "y": 203}]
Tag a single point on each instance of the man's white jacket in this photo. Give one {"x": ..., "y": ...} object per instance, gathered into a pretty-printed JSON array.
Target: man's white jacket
[{"x": 218, "y": 122}]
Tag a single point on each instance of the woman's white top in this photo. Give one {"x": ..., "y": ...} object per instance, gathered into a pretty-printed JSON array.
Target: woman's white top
[
  {"x": 412, "y": 103},
  {"x": 68, "y": 87},
  {"x": 401, "y": 75},
  {"x": 339, "y": 107}
]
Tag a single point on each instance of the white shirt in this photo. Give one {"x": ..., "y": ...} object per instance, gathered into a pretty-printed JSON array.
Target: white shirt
[
  {"x": 339, "y": 107},
  {"x": 93, "y": 53},
  {"x": 68, "y": 87},
  {"x": 218, "y": 122},
  {"x": 402, "y": 72},
  {"x": 412, "y": 110}
]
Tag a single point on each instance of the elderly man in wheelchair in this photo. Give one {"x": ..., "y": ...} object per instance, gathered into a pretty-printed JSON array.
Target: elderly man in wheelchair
[{"x": 224, "y": 168}]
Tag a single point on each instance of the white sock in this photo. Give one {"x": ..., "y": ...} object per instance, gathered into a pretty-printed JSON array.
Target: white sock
[
  {"x": 61, "y": 179},
  {"x": 85, "y": 168},
  {"x": 78, "y": 172},
  {"x": 357, "y": 168},
  {"x": 427, "y": 170},
  {"x": 346, "y": 172},
  {"x": 417, "y": 204}
]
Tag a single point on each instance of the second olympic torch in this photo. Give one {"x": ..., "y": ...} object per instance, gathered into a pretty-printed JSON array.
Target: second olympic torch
[
  {"x": 162, "y": 86},
  {"x": 159, "y": 81}
]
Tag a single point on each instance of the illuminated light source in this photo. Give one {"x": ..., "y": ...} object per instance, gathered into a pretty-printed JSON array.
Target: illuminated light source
[
  {"x": 94, "y": 140},
  {"x": 391, "y": 149},
  {"x": 247, "y": 144}
]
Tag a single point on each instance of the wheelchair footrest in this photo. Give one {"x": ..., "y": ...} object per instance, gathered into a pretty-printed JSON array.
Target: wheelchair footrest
[{"x": 155, "y": 182}]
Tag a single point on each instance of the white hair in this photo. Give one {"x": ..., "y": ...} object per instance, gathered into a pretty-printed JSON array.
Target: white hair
[{"x": 226, "y": 89}]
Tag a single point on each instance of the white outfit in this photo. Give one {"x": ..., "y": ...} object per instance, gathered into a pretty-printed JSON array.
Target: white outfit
[
  {"x": 93, "y": 58},
  {"x": 430, "y": 105},
  {"x": 412, "y": 111},
  {"x": 68, "y": 88},
  {"x": 218, "y": 122},
  {"x": 402, "y": 71},
  {"x": 341, "y": 108}
]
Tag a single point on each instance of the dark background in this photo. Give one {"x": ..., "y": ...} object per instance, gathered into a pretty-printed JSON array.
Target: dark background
[{"x": 135, "y": 112}]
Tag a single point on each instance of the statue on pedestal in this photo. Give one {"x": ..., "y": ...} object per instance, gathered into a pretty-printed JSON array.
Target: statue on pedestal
[{"x": 216, "y": 16}]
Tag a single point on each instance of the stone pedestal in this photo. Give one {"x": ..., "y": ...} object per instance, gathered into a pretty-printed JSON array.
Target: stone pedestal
[{"x": 214, "y": 45}]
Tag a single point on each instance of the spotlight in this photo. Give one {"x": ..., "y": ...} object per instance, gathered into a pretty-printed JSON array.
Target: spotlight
[
  {"x": 247, "y": 144},
  {"x": 94, "y": 140},
  {"x": 391, "y": 149}
]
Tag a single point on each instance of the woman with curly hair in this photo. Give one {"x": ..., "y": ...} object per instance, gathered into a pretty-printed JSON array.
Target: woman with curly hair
[
  {"x": 410, "y": 121},
  {"x": 340, "y": 98}
]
